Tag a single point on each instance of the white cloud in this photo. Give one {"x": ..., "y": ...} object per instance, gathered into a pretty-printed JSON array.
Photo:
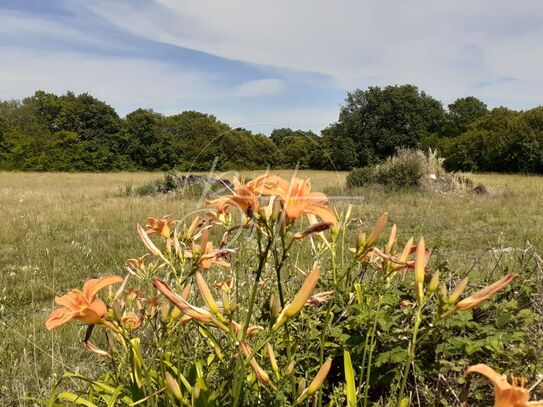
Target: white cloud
[
  {"x": 261, "y": 87},
  {"x": 444, "y": 47},
  {"x": 125, "y": 82}
]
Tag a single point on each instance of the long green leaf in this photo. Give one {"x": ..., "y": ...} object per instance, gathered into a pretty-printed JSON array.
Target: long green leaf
[
  {"x": 350, "y": 387},
  {"x": 76, "y": 399}
]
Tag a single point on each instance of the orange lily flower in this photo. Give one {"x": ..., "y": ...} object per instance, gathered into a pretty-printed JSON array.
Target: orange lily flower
[
  {"x": 82, "y": 305},
  {"x": 131, "y": 320},
  {"x": 245, "y": 197},
  {"x": 137, "y": 263},
  {"x": 506, "y": 395},
  {"x": 162, "y": 227},
  {"x": 213, "y": 256},
  {"x": 297, "y": 198}
]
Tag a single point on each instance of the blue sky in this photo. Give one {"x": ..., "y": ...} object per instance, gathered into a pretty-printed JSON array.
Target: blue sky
[{"x": 261, "y": 64}]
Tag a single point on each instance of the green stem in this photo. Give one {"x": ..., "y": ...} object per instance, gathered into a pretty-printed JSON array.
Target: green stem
[
  {"x": 327, "y": 321},
  {"x": 411, "y": 353},
  {"x": 262, "y": 261},
  {"x": 372, "y": 341}
]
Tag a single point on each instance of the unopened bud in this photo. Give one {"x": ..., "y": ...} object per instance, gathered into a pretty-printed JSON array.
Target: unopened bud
[
  {"x": 458, "y": 290},
  {"x": 317, "y": 381},
  {"x": 301, "y": 386},
  {"x": 173, "y": 386},
  {"x": 379, "y": 226},
  {"x": 275, "y": 306},
  {"x": 360, "y": 242},
  {"x": 443, "y": 294},
  {"x": 164, "y": 311},
  {"x": 273, "y": 361},
  {"x": 290, "y": 368},
  {"x": 434, "y": 283},
  {"x": 118, "y": 309}
]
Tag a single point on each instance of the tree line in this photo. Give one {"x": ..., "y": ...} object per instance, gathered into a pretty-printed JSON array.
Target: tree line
[{"x": 48, "y": 132}]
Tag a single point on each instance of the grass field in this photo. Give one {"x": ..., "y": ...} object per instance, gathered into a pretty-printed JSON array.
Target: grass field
[{"x": 61, "y": 229}]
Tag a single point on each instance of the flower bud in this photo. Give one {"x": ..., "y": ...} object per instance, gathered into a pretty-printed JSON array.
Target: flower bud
[
  {"x": 301, "y": 386},
  {"x": 379, "y": 226},
  {"x": 420, "y": 265},
  {"x": 208, "y": 297},
  {"x": 391, "y": 240},
  {"x": 315, "y": 228},
  {"x": 482, "y": 295},
  {"x": 443, "y": 294},
  {"x": 458, "y": 290},
  {"x": 434, "y": 283},
  {"x": 173, "y": 386},
  {"x": 275, "y": 306},
  {"x": 164, "y": 311},
  {"x": 300, "y": 298},
  {"x": 317, "y": 381},
  {"x": 273, "y": 361}
]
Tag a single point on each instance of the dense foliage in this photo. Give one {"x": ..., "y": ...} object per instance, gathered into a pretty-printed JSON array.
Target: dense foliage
[{"x": 47, "y": 132}]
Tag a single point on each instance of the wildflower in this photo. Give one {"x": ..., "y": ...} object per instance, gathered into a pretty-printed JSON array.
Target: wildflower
[
  {"x": 299, "y": 201},
  {"x": 225, "y": 285},
  {"x": 317, "y": 381},
  {"x": 244, "y": 197},
  {"x": 212, "y": 256},
  {"x": 82, "y": 305},
  {"x": 137, "y": 263},
  {"x": 482, "y": 295},
  {"x": 300, "y": 298},
  {"x": 131, "y": 320},
  {"x": 505, "y": 394},
  {"x": 161, "y": 226}
]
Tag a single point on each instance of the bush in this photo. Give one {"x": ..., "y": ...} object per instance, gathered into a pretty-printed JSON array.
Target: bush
[
  {"x": 401, "y": 174},
  {"x": 409, "y": 169},
  {"x": 361, "y": 177}
]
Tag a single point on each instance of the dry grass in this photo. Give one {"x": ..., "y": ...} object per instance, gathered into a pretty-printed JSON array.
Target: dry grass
[{"x": 61, "y": 229}]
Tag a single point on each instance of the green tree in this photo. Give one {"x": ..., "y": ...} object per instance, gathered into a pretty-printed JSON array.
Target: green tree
[
  {"x": 463, "y": 112},
  {"x": 380, "y": 120},
  {"x": 143, "y": 130},
  {"x": 297, "y": 147},
  {"x": 340, "y": 152}
]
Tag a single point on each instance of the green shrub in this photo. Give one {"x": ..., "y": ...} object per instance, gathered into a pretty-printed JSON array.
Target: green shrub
[
  {"x": 402, "y": 174},
  {"x": 409, "y": 169},
  {"x": 361, "y": 177}
]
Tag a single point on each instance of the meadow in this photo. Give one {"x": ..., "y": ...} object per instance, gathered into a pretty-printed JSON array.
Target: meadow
[{"x": 60, "y": 229}]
